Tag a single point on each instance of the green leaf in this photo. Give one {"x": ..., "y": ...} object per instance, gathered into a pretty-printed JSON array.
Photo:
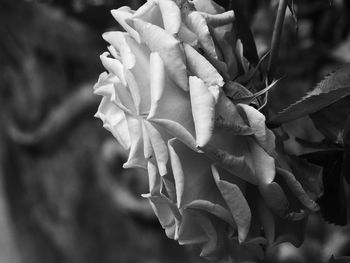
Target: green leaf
[{"x": 333, "y": 88}]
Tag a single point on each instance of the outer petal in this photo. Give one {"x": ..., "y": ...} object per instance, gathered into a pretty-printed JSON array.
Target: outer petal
[
  {"x": 150, "y": 12},
  {"x": 256, "y": 120},
  {"x": 228, "y": 116},
  {"x": 114, "y": 120},
  {"x": 121, "y": 15},
  {"x": 197, "y": 23},
  {"x": 171, "y": 15},
  {"x": 219, "y": 19},
  {"x": 159, "y": 147},
  {"x": 136, "y": 156},
  {"x": 159, "y": 40},
  {"x": 193, "y": 175},
  {"x": 187, "y": 36},
  {"x": 166, "y": 97},
  {"x": 203, "y": 110},
  {"x": 237, "y": 204},
  {"x": 178, "y": 131},
  {"x": 167, "y": 215},
  {"x": 113, "y": 66},
  {"x": 135, "y": 58},
  {"x": 202, "y": 68}
]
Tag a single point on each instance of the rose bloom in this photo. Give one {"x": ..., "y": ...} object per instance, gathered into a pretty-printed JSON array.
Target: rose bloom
[{"x": 211, "y": 163}]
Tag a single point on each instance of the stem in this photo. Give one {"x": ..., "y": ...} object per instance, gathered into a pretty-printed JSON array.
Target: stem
[{"x": 276, "y": 38}]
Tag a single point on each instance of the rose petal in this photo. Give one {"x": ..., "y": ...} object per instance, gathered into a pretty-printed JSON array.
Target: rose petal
[
  {"x": 114, "y": 120},
  {"x": 192, "y": 174},
  {"x": 147, "y": 146},
  {"x": 215, "y": 209},
  {"x": 264, "y": 164},
  {"x": 227, "y": 114},
  {"x": 136, "y": 156},
  {"x": 121, "y": 15},
  {"x": 275, "y": 198},
  {"x": 187, "y": 36},
  {"x": 237, "y": 165},
  {"x": 197, "y": 23},
  {"x": 166, "y": 97},
  {"x": 159, "y": 40},
  {"x": 159, "y": 147},
  {"x": 113, "y": 66},
  {"x": 178, "y": 131},
  {"x": 167, "y": 215},
  {"x": 190, "y": 232},
  {"x": 171, "y": 15},
  {"x": 237, "y": 204},
  {"x": 153, "y": 179},
  {"x": 203, "y": 110},
  {"x": 135, "y": 58},
  {"x": 150, "y": 12},
  {"x": 201, "y": 67},
  {"x": 256, "y": 121},
  {"x": 221, "y": 19}
]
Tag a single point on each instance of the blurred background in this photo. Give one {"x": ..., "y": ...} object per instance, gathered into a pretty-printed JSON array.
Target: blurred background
[{"x": 64, "y": 196}]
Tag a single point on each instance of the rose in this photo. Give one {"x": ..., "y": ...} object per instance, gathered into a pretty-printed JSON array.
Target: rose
[{"x": 158, "y": 88}]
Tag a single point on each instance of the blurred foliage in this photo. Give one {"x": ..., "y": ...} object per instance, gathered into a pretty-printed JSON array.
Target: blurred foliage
[{"x": 69, "y": 200}]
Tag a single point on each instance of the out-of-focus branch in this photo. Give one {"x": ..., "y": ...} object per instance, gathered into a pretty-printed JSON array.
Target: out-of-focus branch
[
  {"x": 57, "y": 122},
  {"x": 276, "y": 38}
]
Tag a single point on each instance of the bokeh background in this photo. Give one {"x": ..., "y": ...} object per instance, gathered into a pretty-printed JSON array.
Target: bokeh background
[{"x": 64, "y": 196}]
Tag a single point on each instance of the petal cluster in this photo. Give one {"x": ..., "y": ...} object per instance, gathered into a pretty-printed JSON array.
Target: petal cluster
[{"x": 211, "y": 163}]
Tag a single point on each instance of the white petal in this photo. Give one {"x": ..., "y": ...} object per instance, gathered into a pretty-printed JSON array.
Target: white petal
[
  {"x": 136, "y": 156},
  {"x": 157, "y": 81},
  {"x": 197, "y": 23},
  {"x": 237, "y": 204},
  {"x": 264, "y": 164},
  {"x": 135, "y": 58},
  {"x": 202, "y": 68},
  {"x": 118, "y": 41},
  {"x": 159, "y": 147},
  {"x": 171, "y": 15},
  {"x": 187, "y": 36},
  {"x": 192, "y": 175},
  {"x": 147, "y": 146},
  {"x": 177, "y": 131},
  {"x": 203, "y": 110},
  {"x": 256, "y": 121},
  {"x": 219, "y": 19},
  {"x": 159, "y": 40},
  {"x": 121, "y": 15},
  {"x": 150, "y": 12},
  {"x": 115, "y": 121},
  {"x": 167, "y": 214},
  {"x": 166, "y": 97},
  {"x": 154, "y": 179},
  {"x": 113, "y": 66}
]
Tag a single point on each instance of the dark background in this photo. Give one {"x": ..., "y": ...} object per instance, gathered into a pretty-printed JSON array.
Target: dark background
[{"x": 63, "y": 195}]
